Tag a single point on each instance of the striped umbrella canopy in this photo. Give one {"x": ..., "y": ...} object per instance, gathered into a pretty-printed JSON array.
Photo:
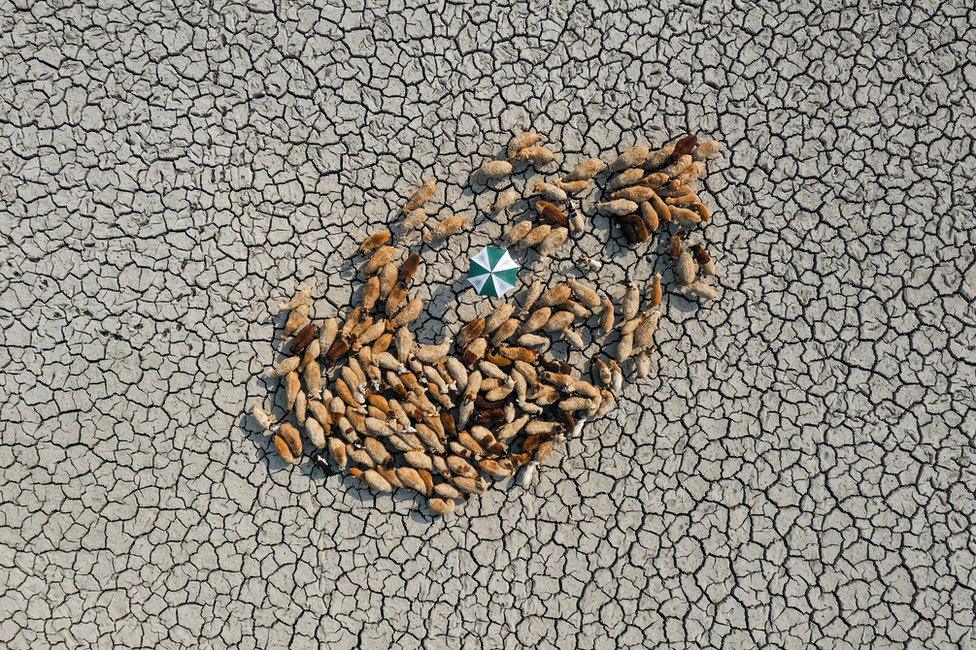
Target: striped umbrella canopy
[{"x": 493, "y": 272}]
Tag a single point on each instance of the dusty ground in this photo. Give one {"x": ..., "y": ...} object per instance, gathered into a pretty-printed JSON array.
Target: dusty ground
[{"x": 798, "y": 472}]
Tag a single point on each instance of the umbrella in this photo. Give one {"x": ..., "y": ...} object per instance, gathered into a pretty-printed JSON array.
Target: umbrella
[{"x": 493, "y": 272}]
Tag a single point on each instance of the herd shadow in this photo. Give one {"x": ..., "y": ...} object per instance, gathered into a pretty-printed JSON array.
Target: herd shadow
[{"x": 602, "y": 238}]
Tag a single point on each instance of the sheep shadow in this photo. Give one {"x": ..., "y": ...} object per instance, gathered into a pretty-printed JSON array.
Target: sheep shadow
[{"x": 320, "y": 468}]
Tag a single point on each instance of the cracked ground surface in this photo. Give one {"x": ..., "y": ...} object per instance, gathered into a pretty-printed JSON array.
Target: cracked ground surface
[{"x": 798, "y": 471}]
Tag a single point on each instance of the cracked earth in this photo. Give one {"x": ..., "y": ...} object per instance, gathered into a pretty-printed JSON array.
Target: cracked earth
[{"x": 797, "y": 471}]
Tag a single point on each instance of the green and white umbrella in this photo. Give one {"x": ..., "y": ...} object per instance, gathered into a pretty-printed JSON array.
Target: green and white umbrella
[{"x": 493, "y": 272}]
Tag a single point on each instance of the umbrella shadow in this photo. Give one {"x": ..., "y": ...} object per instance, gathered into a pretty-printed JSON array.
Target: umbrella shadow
[
  {"x": 559, "y": 350},
  {"x": 445, "y": 294},
  {"x": 429, "y": 328}
]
